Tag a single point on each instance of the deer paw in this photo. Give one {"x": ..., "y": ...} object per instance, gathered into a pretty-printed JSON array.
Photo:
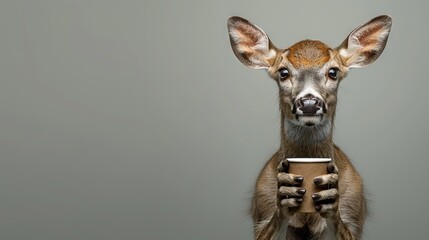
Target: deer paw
[
  {"x": 289, "y": 194},
  {"x": 326, "y": 201}
]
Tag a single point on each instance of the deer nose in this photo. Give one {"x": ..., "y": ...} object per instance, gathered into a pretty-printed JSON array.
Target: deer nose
[{"x": 309, "y": 105}]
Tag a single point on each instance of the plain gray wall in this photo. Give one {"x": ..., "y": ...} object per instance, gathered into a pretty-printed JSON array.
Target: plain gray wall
[{"x": 134, "y": 120}]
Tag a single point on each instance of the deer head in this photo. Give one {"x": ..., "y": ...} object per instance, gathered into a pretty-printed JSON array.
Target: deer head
[{"x": 309, "y": 72}]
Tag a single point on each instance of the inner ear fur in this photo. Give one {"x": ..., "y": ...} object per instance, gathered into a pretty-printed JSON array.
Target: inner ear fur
[
  {"x": 250, "y": 44},
  {"x": 366, "y": 43}
]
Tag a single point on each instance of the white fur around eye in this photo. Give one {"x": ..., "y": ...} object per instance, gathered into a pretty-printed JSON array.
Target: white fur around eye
[
  {"x": 286, "y": 85},
  {"x": 331, "y": 85}
]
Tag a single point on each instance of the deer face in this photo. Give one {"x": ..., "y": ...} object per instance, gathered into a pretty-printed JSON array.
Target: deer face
[{"x": 308, "y": 73}]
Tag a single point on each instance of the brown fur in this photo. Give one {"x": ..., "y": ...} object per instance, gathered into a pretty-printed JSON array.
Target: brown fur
[
  {"x": 308, "y": 53},
  {"x": 308, "y": 63}
]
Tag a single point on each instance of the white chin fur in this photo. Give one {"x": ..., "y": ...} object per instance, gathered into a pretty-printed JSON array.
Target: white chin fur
[
  {"x": 309, "y": 120},
  {"x": 308, "y": 129}
]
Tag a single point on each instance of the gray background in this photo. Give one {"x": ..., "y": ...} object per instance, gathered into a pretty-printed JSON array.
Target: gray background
[{"x": 134, "y": 120}]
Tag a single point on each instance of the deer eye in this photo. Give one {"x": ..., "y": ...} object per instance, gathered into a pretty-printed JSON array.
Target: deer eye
[
  {"x": 333, "y": 73},
  {"x": 283, "y": 73}
]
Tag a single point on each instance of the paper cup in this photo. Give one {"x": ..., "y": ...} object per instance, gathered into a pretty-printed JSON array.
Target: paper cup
[{"x": 308, "y": 168}]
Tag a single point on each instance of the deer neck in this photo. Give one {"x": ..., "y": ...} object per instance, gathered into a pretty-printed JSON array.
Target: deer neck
[{"x": 306, "y": 142}]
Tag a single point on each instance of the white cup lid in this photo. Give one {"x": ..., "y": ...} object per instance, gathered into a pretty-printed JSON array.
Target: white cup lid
[{"x": 308, "y": 160}]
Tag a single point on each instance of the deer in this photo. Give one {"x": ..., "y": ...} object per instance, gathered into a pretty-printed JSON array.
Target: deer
[{"x": 308, "y": 75}]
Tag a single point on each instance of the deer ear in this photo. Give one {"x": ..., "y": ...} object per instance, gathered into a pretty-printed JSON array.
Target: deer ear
[
  {"x": 366, "y": 43},
  {"x": 250, "y": 44}
]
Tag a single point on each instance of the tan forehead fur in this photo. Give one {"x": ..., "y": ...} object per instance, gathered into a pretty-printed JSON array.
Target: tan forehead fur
[{"x": 308, "y": 54}]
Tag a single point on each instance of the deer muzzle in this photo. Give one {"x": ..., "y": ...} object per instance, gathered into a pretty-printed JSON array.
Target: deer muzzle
[{"x": 309, "y": 105}]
